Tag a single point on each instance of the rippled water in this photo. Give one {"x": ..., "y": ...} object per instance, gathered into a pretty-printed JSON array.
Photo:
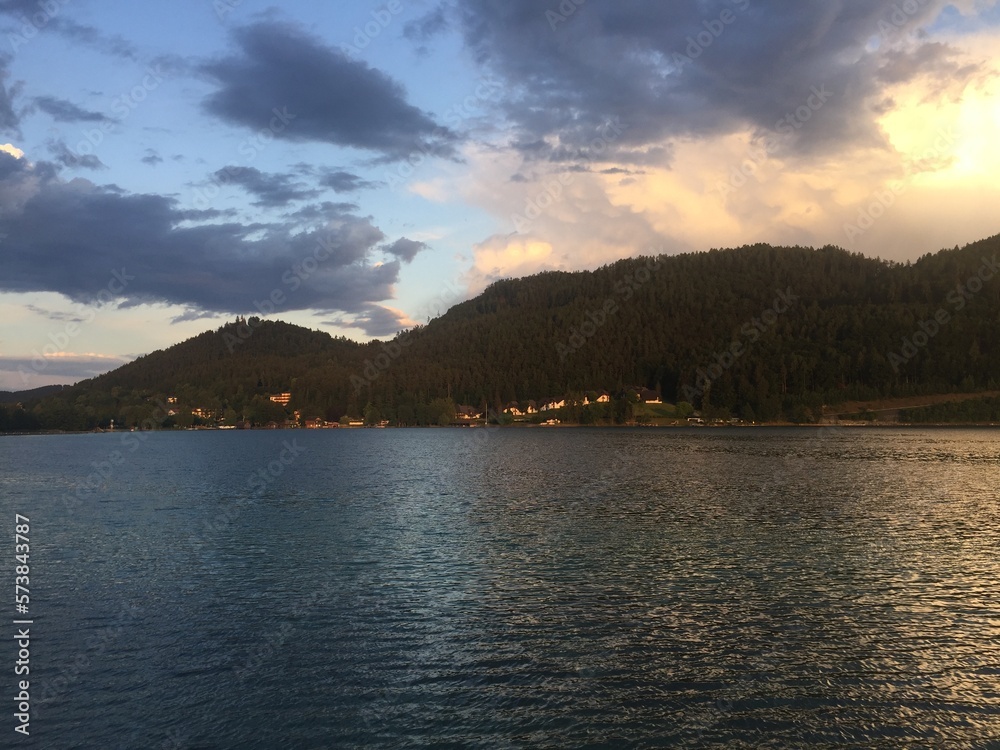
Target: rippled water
[{"x": 511, "y": 588}]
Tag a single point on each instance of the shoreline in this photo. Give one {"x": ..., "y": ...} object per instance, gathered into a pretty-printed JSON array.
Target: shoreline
[{"x": 760, "y": 425}]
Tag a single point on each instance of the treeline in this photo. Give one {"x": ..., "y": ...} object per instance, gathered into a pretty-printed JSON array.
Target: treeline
[
  {"x": 759, "y": 333},
  {"x": 972, "y": 411}
]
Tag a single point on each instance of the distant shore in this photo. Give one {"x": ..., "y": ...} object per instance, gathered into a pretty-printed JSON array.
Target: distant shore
[{"x": 522, "y": 425}]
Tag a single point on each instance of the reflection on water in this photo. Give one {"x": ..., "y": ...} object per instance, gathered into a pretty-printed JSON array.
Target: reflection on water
[{"x": 519, "y": 588}]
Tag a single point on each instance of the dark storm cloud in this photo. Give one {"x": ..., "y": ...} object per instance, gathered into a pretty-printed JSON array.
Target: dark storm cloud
[
  {"x": 404, "y": 249},
  {"x": 271, "y": 190},
  {"x": 22, "y": 8},
  {"x": 933, "y": 59},
  {"x": 83, "y": 240},
  {"x": 61, "y": 110},
  {"x": 328, "y": 96},
  {"x": 694, "y": 68},
  {"x": 10, "y": 165}
]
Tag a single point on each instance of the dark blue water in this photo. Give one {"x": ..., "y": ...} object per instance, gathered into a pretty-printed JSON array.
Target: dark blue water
[{"x": 508, "y": 588}]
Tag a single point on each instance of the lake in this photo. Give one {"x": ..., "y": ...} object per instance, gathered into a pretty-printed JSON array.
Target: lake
[{"x": 508, "y": 588}]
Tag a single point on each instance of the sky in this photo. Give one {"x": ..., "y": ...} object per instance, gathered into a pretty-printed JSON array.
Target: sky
[{"x": 359, "y": 167}]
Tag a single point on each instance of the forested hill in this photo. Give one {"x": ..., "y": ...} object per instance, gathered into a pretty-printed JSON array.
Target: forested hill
[{"x": 759, "y": 332}]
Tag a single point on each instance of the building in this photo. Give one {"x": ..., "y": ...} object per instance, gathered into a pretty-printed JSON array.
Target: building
[
  {"x": 282, "y": 398},
  {"x": 467, "y": 413}
]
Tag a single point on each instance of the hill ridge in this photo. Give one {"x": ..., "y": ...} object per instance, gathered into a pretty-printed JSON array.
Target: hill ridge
[{"x": 756, "y": 332}]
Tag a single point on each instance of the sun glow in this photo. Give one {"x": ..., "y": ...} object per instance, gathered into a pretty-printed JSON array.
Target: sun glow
[
  {"x": 949, "y": 141},
  {"x": 11, "y": 149}
]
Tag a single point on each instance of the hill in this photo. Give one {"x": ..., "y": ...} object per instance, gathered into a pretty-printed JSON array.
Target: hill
[
  {"x": 758, "y": 332},
  {"x": 14, "y": 397}
]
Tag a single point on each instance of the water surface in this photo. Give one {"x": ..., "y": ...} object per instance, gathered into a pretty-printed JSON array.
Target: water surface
[{"x": 512, "y": 588}]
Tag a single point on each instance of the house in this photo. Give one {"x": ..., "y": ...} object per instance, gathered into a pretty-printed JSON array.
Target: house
[
  {"x": 550, "y": 405},
  {"x": 513, "y": 409},
  {"x": 467, "y": 413},
  {"x": 281, "y": 398},
  {"x": 532, "y": 408},
  {"x": 603, "y": 397},
  {"x": 648, "y": 396},
  {"x": 315, "y": 423}
]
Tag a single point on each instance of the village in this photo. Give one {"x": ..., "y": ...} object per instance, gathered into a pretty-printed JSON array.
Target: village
[{"x": 647, "y": 405}]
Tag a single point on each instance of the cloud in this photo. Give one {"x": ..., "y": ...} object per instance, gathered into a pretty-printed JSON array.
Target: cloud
[
  {"x": 330, "y": 97},
  {"x": 68, "y": 158},
  {"x": 18, "y": 180},
  {"x": 345, "y": 182},
  {"x": 10, "y": 120},
  {"x": 84, "y": 240},
  {"x": 740, "y": 121},
  {"x": 59, "y": 368},
  {"x": 422, "y": 30},
  {"x": 61, "y": 110},
  {"x": 404, "y": 249},
  {"x": 325, "y": 211},
  {"x": 271, "y": 190},
  {"x": 426, "y": 27},
  {"x": 677, "y": 70},
  {"x": 152, "y": 158},
  {"x": 54, "y": 314},
  {"x": 552, "y": 218},
  {"x": 377, "y": 321},
  {"x": 41, "y": 16}
]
